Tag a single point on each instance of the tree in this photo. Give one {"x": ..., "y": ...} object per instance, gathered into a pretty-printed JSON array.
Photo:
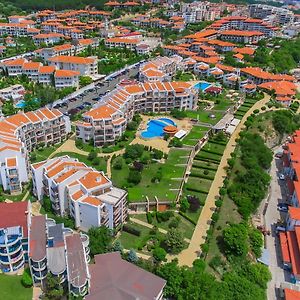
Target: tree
[
  {"x": 174, "y": 241},
  {"x": 184, "y": 205},
  {"x": 92, "y": 155},
  {"x": 134, "y": 177},
  {"x": 256, "y": 241},
  {"x": 54, "y": 289},
  {"x": 235, "y": 238},
  {"x": 138, "y": 166},
  {"x": 159, "y": 254},
  {"x": 118, "y": 163},
  {"x": 132, "y": 257},
  {"x": 134, "y": 151},
  {"x": 100, "y": 240},
  {"x": 26, "y": 278},
  {"x": 118, "y": 246},
  {"x": 47, "y": 204},
  {"x": 85, "y": 80},
  {"x": 194, "y": 203},
  {"x": 178, "y": 114}
]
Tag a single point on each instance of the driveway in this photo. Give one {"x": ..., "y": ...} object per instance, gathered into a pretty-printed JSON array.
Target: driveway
[{"x": 272, "y": 215}]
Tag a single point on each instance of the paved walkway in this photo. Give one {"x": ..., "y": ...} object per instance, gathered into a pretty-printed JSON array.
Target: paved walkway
[
  {"x": 139, "y": 254},
  {"x": 137, "y": 221},
  {"x": 187, "y": 256}
]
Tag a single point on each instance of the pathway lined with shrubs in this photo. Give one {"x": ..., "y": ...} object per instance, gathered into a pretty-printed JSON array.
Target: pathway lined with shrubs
[{"x": 187, "y": 256}]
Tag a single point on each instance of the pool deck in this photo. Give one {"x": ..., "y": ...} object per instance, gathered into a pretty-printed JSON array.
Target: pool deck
[{"x": 158, "y": 142}]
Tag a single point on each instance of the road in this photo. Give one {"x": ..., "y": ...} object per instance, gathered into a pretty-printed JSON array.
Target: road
[
  {"x": 187, "y": 256},
  {"x": 276, "y": 195}
]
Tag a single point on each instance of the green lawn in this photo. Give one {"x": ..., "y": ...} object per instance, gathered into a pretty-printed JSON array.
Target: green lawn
[
  {"x": 214, "y": 148},
  {"x": 199, "y": 183},
  {"x": 228, "y": 214},
  {"x": 204, "y": 116},
  {"x": 101, "y": 167},
  {"x": 194, "y": 135},
  {"x": 11, "y": 288},
  {"x": 207, "y": 155},
  {"x": 223, "y": 105},
  {"x": 163, "y": 189},
  {"x": 205, "y": 164},
  {"x": 185, "y": 227},
  {"x": 43, "y": 153},
  {"x": 203, "y": 172}
]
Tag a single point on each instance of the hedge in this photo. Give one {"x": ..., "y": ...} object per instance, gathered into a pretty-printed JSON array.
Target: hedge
[
  {"x": 149, "y": 217},
  {"x": 202, "y": 176},
  {"x": 196, "y": 190},
  {"x": 204, "y": 167},
  {"x": 131, "y": 230},
  {"x": 212, "y": 152},
  {"x": 187, "y": 218}
]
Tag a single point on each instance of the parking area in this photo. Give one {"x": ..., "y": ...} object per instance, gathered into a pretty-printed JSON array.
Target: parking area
[{"x": 90, "y": 97}]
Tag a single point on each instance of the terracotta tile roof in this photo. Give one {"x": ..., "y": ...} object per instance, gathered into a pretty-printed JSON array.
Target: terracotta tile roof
[
  {"x": 72, "y": 59},
  {"x": 46, "y": 69},
  {"x": 292, "y": 238},
  {"x": 291, "y": 294},
  {"x": 201, "y": 34},
  {"x": 77, "y": 195},
  {"x": 241, "y": 33},
  {"x": 284, "y": 247},
  {"x": 122, "y": 40},
  {"x": 102, "y": 112},
  {"x": 31, "y": 66},
  {"x": 66, "y": 73},
  {"x": 15, "y": 62},
  {"x": 92, "y": 200},
  {"x": 244, "y": 50},
  {"x": 93, "y": 179}
]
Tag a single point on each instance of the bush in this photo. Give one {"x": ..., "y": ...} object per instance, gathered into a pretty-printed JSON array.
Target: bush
[
  {"x": 215, "y": 262},
  {"x": 159, "y": 254},
  {"x": 131, "y": 229},
  {"x": 134, "y": 177},
  {"x": 79, "y": 143},
  {"x": 256, "y": 111},
  {"x": 118, "y": 163},
  {"x": 176, "y": 142},
  {"x": 157, "y": 154},
  {"x": 174, "y": 223},
  {"x": 218, "y": 203},
  {"x": 164, "y": 216},
  {"x": 204, "y": 247},
  {"x": 263, "y": 108},
  {"x": 194, "y": 203},
  {"x": 92, "y": 155},
  {"x": 26, "y": 278},
  {"x": 138, "y": 166},
  {"x": 215, "y": 217},
  {"x": 149, "y": 217},
  {"x": 96, "y": 161}
]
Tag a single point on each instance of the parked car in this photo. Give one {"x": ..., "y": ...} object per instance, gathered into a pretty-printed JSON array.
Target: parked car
[
  {"x": 283, "y": 205},
  {"x": 278, "y": 154},
  {"x": 280, "y": 229},
  {"x": 281, "y": 176},
  {"x": 283, "y": 208}
]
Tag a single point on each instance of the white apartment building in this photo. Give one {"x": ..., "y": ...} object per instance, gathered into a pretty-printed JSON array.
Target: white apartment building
[
  {"x": 84, "y": 65},
  {"x": 18, "y": 29},
  {"x": 15, "y": 92},
  {"x": 66, "y": 78},
  {"x": 85, "y": 194},
  {"x": 48, "y": 38},
  {"x": 22, "y": 133},
  {"x": 60, "y": 251},
  {"x": 107, "y": 122}
]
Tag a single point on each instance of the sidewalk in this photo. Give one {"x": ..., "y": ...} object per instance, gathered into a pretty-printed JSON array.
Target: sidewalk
[{"x": 187, "y": 256}]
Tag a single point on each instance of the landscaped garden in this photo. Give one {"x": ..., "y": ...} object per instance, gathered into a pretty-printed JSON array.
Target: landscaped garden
[
  {"x": 147, "y": 172},
  {"x": 196, "y": 134},
  {"x": 11, "y": 288}
]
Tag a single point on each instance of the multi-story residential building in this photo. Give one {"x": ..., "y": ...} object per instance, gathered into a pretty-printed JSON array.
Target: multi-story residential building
[
  {"x": 45, "y": 75},
  {"x": 15, "y": 92},
  {"x": 22, "y": 133},
  {"x": 262, "y": 11},
  {"x": 14, "y": 218},
  {"x": 244, "y": 24},
  {"x": 48, "y": 38},
  {"x": 124, "y": 285},
  {"x": 159, "y": 69},
  {"x": 241, "y": 36},
  {"x": 66, "y": 78},
  {"x": 18, "y": 29},
  {"x": 60, "y": 251},
  {"x": 85, "y": 194},
  {"x": 84, "y": 65},
  {"x": 108, "y": 121}
]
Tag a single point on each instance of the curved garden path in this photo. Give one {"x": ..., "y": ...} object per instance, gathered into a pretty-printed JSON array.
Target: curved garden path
[{"x": 187, "y": 256}]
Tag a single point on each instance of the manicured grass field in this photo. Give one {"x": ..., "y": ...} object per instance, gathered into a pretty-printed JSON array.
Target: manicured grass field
[
  {"x": 199, "y": 183},
  {"x": 101, "y": 167},
  {"x": 43, "y": 153},
  {"x": 214, "y": 148},
  {"x": 223, "y": 105},
  {"x": 11, "y": 288},
  {"x": 203, "y": 173},
  {"x": 185, "y": 227},
  {"x": 163, "y": 189},
  {"x": 194, "y": 135},
  {"x": 208, "y": 155},
  {"x": 205, "y": 164},
  {"x": 204, "y": 116}
]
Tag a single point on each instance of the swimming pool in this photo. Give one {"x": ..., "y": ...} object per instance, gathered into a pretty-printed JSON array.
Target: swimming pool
[
  {"x": 20, "y": 104},
  {"x": 155, "y": 128},
  {"x": 202, "y": 85}
]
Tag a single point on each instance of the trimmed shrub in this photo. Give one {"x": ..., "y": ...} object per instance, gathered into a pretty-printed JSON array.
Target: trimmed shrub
[
  {"x": 149, "y": 217},
  {"x": 187, "y": 218},
  {"x": 26, "y": 278},
  {"x": 132, "y": 230}
]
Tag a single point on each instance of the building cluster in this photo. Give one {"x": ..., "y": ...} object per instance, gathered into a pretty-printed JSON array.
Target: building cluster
[
  {"x": 290, "y": 239},
  {"x": 62, "y": 70},
  {"x": 87, "y": 195},
  {"x": 107, "y": 122},
  {"x": 46, "y": 247},
  {"x": 271, "y": 14},
  {"x": 22, "y": 133}
]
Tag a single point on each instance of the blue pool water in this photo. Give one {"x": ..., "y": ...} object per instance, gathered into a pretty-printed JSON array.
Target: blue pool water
[
  {"x": 202, "y": 85},
  {"x": 20, "y": 104},
  {"x": 156, "y": 128}
]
